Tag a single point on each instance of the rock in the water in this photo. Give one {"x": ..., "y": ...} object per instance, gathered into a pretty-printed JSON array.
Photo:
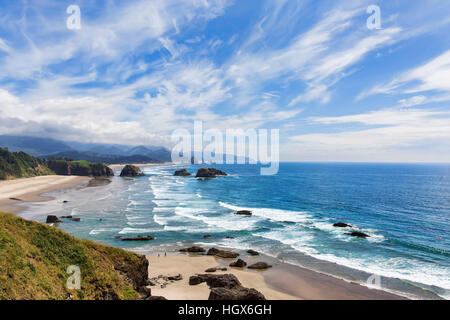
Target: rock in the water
[
  {"x": 358, "y": 234},
  {"x": 75, "y": 219},
  {"x": 67, "y": 217},
  {"x": 206, "y": 236},
  {"x": 341, "y": 225},
  {"x": 182, "y": 173},
  {"x": 259, "y": 265},
  {"x": 131, "y": 171},
  {"x": 65, "y": 201},
  {"x": 239, "y": 263},
  {"x": 209, "y": 173},
  {"x": 53, "y": 219},
  {"x": 243, "y": 213},
  {"x": 139, "y": 238},
  {"x": 238, "y": 293},
  {"x": 193, "y": 249},
  {"x": 253, "y": 252},
  {"x": 222, "y": 253},
  {"x": 178, "y": 277}
]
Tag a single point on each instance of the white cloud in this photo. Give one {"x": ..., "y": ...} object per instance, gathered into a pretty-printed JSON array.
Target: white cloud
[{"x": 431, "y": 76}]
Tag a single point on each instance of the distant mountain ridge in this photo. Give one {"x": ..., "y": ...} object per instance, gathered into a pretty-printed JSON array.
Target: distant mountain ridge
[{"x": 95, "y": 152}]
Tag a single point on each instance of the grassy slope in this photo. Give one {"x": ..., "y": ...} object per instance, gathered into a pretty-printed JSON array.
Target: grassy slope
[{"x": 34, "y": 258}]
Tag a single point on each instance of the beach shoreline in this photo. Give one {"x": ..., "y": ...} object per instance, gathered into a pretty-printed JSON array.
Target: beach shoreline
[{"x": 16, "y": 194}]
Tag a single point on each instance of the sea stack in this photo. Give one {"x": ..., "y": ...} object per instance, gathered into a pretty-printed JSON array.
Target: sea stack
[
  {"x": 131, "y": 171},
  {"x": 182, "y": 173},
  {"x": 209, "y": 173}
]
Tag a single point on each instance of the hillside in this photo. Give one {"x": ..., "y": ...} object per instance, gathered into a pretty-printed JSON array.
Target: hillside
[
  {"x": 98, "y": 157},
  {"x": 94, "y": 152},
  {"x": 34, "y": 260},
  {"x": 19, "y": 164}
]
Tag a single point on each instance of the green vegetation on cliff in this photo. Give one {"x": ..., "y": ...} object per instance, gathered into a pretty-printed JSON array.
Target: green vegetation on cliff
[
  {"x": 79, "y": 168},
  {"x": 19, "y": 164},
  {"x": 34, "y": 258}
]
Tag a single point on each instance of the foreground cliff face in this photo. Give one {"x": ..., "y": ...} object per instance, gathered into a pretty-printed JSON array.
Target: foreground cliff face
[
  {"x": 34, "y": 259},
  {"x": 79, "y": 168}
]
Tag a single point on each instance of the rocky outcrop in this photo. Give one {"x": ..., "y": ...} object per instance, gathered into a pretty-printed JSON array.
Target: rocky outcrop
[
  {"x": 222, "y": 253},
  {"x": 259, "y": 266},
  {"x": 131, "y": 171},
  {"x": 358, "y": 234},
  {"x": 239, "y": 263},
  {"x": 79, "y": 168},
  {"x": 243, "y": 212},
  {"x": 193, "y": 249},
  {"x": 215, "y": 269},
  {"x": 209, "y": 173},
  {"x": 177, "y": 277},
  {"x": 182, "y": 173},
  {"x": 206, "y": 236},
  {"x": 215, "y": 280},
  {"x": 341, "y": 225},
  {"x": 225, "y": 287},
  {"x": 139, "y": 238},
  {"x": 53, "y": 219},
  {"x": 239, "y": 293},
  {"x": 253, "y": 252}
]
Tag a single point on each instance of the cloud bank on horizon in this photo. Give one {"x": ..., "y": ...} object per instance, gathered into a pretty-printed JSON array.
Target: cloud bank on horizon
[{"x": 137, "y": 70}]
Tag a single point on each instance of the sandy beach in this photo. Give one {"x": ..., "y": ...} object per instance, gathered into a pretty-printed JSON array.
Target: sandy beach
[
  {"x": 19, "y": 191},
  {"x": 282, "y": 282}
]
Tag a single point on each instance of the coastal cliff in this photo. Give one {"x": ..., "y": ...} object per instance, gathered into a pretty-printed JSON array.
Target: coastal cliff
[
  {"x": 79, "y": 168},
  {"x": 34, "y": 259}
]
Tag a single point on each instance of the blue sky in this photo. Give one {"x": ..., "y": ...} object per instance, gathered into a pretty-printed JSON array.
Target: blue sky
[{"x": 137, "y": 70}]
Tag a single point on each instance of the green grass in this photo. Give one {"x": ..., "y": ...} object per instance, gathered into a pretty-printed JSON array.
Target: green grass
[{"x": 34, "y": 259}]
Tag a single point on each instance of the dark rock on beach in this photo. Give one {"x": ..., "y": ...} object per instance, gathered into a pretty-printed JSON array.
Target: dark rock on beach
[
  {"x": 178, "y": 277},
  {"x": 53, "y": 219},
  {"x": 182, "y": 173},
  {"x": 139, "y": 238},
  {"x": 260, "y": 266},
  {"x": 239, "y": 263},
  {"x": 341, "y": 225},
  {"x": 253, "y": 252},
  {"x": 226, "y": 287},
  {"x": 358, "y": 234},
  {"x": 193, "y": 249},
  {"x": 215, "y": 280},
  {"x": 131, "y": 171},
  {"x": 243, "y": 212},
  {"x": 209, "y": 173},
  {"x": 156, "y": 298},
  {"x": 222, "y": 253},
  {"x": 215, "y": 269},
  {"x": 239, "y": 293}
]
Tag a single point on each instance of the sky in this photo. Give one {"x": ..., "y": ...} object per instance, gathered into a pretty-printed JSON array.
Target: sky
[{"x": 137, "y": 70}]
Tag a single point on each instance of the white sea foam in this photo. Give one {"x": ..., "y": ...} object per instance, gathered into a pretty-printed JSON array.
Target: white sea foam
[
  {"x": 135, "y": 230},
  {"x": 272, "y": 214}
]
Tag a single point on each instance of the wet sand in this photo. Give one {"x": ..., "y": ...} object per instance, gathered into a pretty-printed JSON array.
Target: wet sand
[{"x": 15, "y": 193}]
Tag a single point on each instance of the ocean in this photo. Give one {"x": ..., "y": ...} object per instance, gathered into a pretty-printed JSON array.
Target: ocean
[{"x": 405, "y": 208}]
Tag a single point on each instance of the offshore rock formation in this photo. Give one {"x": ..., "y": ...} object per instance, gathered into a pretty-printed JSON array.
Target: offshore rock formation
[
  {"x": 131, "y": 171},
  {"x": 209, "y": 173},
  {"x": 182, "y": 173}
]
